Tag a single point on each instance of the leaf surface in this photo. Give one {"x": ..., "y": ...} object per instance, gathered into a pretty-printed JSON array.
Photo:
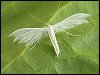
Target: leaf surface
[{"x": 78, "y": 54}]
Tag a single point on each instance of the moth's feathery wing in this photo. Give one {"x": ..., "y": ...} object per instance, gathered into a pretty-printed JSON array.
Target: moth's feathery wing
[
  {"x": 29, "y": 35},
  {"x": 71, "y": 22}
]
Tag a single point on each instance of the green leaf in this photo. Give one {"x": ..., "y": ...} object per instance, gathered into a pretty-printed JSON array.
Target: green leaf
[{"x": 78, "y": 54}]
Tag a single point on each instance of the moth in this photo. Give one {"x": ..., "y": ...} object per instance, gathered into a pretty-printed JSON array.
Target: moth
[{"x": 31, "y": 36}]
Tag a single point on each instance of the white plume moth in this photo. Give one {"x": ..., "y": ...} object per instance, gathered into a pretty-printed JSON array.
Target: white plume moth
[{"x": 31, "y": 36}]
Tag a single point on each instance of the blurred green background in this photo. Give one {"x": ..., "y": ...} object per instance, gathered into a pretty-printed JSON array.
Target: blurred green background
[{"x": 79, "y": 55}]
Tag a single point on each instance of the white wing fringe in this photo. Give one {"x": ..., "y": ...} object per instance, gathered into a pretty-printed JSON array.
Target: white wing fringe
[
  {"x": 28, "y": 35},
  {"x": 70, "y": 22}
]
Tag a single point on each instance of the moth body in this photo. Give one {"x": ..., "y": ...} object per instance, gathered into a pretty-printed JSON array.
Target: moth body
[{"x": 53, "y": 39}]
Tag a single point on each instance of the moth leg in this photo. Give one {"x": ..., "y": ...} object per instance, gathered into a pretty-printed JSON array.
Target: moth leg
[
  {"x": 59, "y": 41},
  {"x": 70, "y": 34},
  {"x": 34, "y": 45}
]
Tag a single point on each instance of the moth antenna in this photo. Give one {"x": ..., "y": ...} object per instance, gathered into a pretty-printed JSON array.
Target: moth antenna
[
  {"x": 56, "y": 10},
  {"x": 38, "y": 19},
  {"x": 58, "y": 7}
]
